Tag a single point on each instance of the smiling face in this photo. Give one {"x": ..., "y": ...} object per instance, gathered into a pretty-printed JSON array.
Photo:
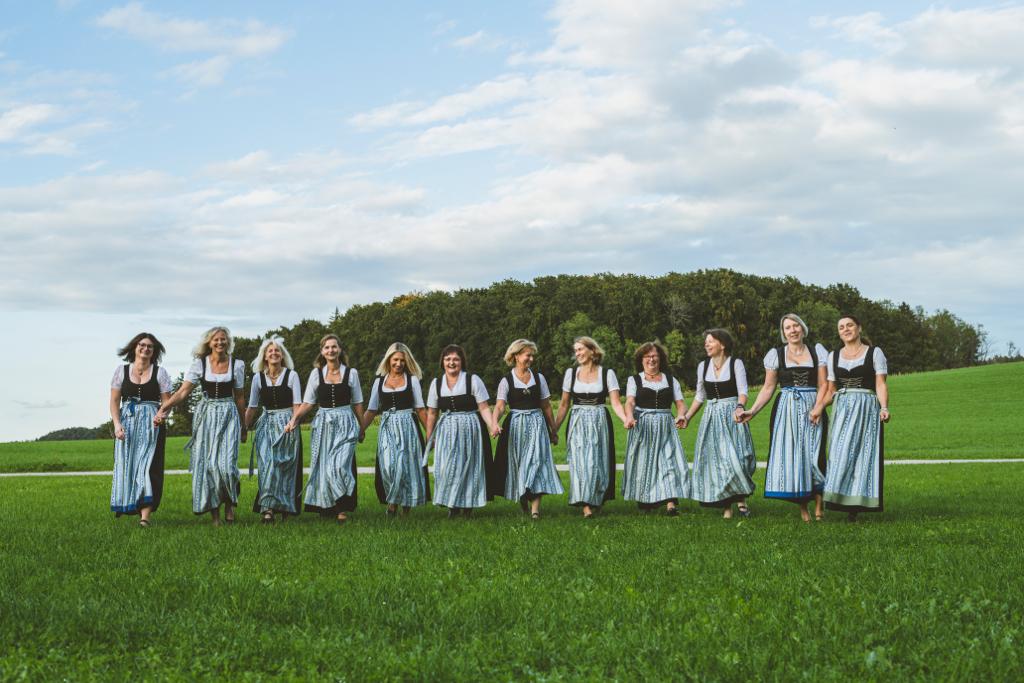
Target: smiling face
[
  {"x": 712, "y": 346},
  {"x": 452, "y": 364},
  {"x": 793, "y": 331},
  {"x": 219, "y": 343},
  {"x": 397, "y": 363},
  {"x": 652, "y": 362},
  {"x": 144, "y": 349},
  {"x": 849, "y": 330},
  {"x": 273, "y": 356},
  {"x": 582, "y": 352},
  {"x": 524, "y": 358},
  {"x": 330, "y": 350}
]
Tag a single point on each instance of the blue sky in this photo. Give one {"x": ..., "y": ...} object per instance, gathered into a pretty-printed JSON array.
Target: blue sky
[{"x": 170, "y": 166}]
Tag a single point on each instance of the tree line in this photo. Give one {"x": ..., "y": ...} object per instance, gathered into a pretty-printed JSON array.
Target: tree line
[{"x": 621, "y": 312}]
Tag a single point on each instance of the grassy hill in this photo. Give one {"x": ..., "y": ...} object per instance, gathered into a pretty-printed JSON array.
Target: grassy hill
[{"x": 964, "y": 413}]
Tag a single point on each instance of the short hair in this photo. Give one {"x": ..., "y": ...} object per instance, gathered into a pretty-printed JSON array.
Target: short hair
[
  {"x": 202, "y": 349},
  {"x": 517, "y": 347},
  {"x": 457, "y": 350},
  {"x": 410, "y": 361},
  {"x": 795, "y": 318},
  {"x": 259, "y": 364},
  {"x": 722, "y": 336},
  {"x": 320, "y": 360},
  {"x": 591, "y": 344},
  {"x": 127, "y": 352},
  {"x": 646, "y": 348}
]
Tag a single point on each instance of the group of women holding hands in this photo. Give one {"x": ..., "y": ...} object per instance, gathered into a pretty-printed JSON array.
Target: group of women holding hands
[{"x": 456, "y": 423}]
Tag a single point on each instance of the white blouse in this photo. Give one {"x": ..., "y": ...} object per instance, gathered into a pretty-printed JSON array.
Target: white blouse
[
  {"x": 590, "y": 387},
  {"x": 257, "y": 384},
  {"x": 631, "y": 389},
  {"x": 162, "y": 378},
  {"x": 706, "y": 372},
  {"x": 502, "y": 393},
  {"x": 314, "y": 383},
  {"x": 197, "y": 367},
  {"x": 881, "y": 364},
  {"x": 771, "y": 359},
  {"x": 417, "y": 393},
  {"x": 479, "y": 390}
]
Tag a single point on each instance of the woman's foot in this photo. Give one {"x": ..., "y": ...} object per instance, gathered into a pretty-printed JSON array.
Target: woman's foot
[
  {"x": 534, "y": 515},
  {"x": 267, "y": 517},
  {"x": 672, "y": 510},
  {"x": 743, "y": 509},
  {"x": 342, "y": 518},
  {"x": 727, "y": 513},
  {"x": 392, "y": 511},
  {"x": 144, "y": 523},
  {"x": 804, "y": 515},
  {"x": 229, "y": 514}
]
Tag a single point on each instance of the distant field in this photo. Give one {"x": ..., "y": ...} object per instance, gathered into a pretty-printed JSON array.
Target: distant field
[
  {"x": 923, "y": 591},
  {"x": 965, "y": 413}
]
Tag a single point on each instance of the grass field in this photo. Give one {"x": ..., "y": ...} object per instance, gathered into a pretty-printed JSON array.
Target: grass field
[
  {"x": 965, "y": 413},
  {"x": 929, "y": 589}
]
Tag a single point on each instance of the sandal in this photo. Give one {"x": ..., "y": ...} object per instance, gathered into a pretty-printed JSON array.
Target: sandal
[
  {"x": 743, "y": 509},
  {"x": 267, "y": 517}
]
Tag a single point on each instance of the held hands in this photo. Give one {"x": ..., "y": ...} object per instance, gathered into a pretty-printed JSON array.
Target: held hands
[
  {"x": 245, "y": 435},
  {"x": 362, "y": 435},
  {"x": 290, "y": 427},
  {"x": 815, "y": 415},
  {"x": 682, "y": 421},
  {"x": 743, "y": 417},
  {"x": 554, "y": 437},
  {"x": 495, "y": 431},
  {"x": 629, "y": 423},
  {"x": 883, "y": 415}
]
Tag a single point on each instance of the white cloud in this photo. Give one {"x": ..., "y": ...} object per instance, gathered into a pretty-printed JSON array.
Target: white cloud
[
  {"x": 17, "y": 120},
  {"x": 480, "y": 40},
  {"x": 202, "y": 73}
]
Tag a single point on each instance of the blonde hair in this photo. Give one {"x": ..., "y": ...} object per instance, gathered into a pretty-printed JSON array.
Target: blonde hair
[
  {"x": 795, "y": 318},
  {"x": 410, "y": 361},
  {"x": 259, "y": 364},
  {"x": 202, "y": 349},
  {"x": 342, "y": 356},
  {"x": 515, "y": 348},
  {"x": 591, "y": 344}
]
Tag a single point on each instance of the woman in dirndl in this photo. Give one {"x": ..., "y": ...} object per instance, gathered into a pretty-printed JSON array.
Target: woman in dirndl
[
  {"x": 589, "y": 437},
  {"x": 458, "y": 427},
  {"x": 401, "y": 479},
  {"x": 656, "y": 472},
  {"x": 799, "y": 425},
  {"x": 723, "y": 457},
  {"x": 278, "y": 453},
  {"x": 860, "y": 396},
  {"x": 524, "y": 468},
  {"x": 136, "y": 390},
  {"x": 333, "y": 387},
  {"x": 217, "y": 424}
]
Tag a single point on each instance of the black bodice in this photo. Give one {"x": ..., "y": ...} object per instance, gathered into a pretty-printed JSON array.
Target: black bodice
[
  {"x": 395, "y": 400},
  {"x": 798, "y": 376},
  {"x": 147, "y": 391},
  {"x": 589, "y": 398},
  {"x": 334, "y": 395},
  {"x": 218, "y": 389},
  {"x": 275, "y": 398},
  {"x": 860, "y": 377},
  {"x": 653, "y": 399},
  {"x": 520, "y": 398},
  {"x": 463, "y": 403},
  {"x": 724, "y": 389}
]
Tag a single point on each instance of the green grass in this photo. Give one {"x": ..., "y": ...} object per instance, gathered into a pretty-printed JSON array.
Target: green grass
[
  {"x": 965, "y": 413},
  {"x": 926, "y": 590}
]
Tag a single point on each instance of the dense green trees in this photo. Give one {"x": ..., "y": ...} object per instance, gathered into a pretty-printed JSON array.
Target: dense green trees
[{"x": 621, "y": 311}]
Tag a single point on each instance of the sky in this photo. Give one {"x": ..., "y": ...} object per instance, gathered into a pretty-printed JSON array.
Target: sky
[{"x": 171, "y": 166}]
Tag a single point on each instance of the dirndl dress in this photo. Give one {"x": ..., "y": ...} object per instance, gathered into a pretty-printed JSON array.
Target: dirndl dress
[
  {"x": 138, "y": 480},
  {"x": 333, "y": 478},
  {"x": 462, "y": 452},
  {"x": 524, "y": 467},
  {"x": 277, "y": 453},
  {"x": 400, "y": 477},
  {"x": 590, "y": 447}
]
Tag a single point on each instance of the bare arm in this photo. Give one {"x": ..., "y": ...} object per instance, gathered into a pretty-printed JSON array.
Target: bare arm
[
  {"x": 298, "y": 412},
  {"x": 681, "y": 419},
  {"x": 616, "y": 399},
  {"x": 629, "y": 421},
  {"x": 484, "y": 408},
  {"x": 431, "y": 421},
  {"x": 771, "y": 380},
  {"x": 174, "y": 399},
  {"x": 250, "y": 416},
  {"x": 563, "y": 409},
  {"x": 115, "y": 413},
  {"x": 545, "y": 407},
  {"x": 357, "y": 408},
  {"x": 367, "y": 420},
  {"x": 240, "y": 403},
  {"x": 499, "y": 410},
  {"x": 882, "y": 392}
]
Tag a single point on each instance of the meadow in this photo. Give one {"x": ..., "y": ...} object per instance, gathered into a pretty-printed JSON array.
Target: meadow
[
  {"x": 929, "y": 589},
  {"x": 963, "y": 413}
]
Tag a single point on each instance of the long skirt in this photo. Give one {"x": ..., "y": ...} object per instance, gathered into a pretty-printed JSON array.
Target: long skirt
[
  {"x": 796, "y": 455},
  {"x": 723, "y": 458},
  {"x": 656, "y": 470},
  {"x": 332, "y": 485},
  {"x": 400, "y": 478},
  {"x": 213, "y": 449},
  {"x": 462, "y": 459},
  {"x": 278, "y": 455},
  {"x": 523, "y": 464},
  {"x": 856, "y": 456},
  {"x": 590, "y": 452},
  {"x": 138, "y": 460}
]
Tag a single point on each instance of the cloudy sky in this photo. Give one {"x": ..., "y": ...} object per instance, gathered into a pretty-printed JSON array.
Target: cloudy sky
[{"x": 167, "y": 166}]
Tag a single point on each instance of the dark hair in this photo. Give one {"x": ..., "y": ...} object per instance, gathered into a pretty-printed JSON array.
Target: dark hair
[
  {"x": 320, "y": 360},
  {"x": 723, "y": 337},
  {"x": 863, "y": 337},
  {"x": 127, "y": 352},
  {"x": 646, "y": 348},
  {"x": 457, "y": 350},
  {"x": 851, "y": 317}
]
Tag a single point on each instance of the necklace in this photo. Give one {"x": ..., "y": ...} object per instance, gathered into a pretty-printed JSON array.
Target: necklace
[
  {"x": 717, "y": 366},
  {"x": 272, "y": 376}
]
